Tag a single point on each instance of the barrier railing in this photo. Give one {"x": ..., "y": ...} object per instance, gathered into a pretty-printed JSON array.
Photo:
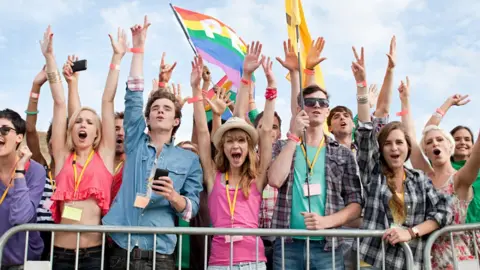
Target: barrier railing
[
  {"x": 282, "y": 233},
  {"x": 427, "y": 252}
]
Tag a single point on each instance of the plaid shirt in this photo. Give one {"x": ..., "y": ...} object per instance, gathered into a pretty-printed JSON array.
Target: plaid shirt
[
  {"x": 343, "y": 185},
  {"x": 269, "y": 197},
  {"x": 422, "y": 203}
]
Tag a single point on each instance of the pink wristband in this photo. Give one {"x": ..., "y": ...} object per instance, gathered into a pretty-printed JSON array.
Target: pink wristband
[
  {"x": 161, "y": 84},
  {"x": 309, "y": 71},
  {"x": 114, "y": 67},
  {"x": 293, "y": 137},
  {"x": 136, "y": 50},
  {"x": 439, "y": 111},
  {"x": 34, "y": 95},
  {"x": 246, "y": 82},
  {"x": 194, "y": 99},
  {"x": 402, "y": 113}
]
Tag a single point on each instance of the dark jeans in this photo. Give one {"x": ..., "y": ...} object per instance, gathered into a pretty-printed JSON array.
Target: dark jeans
[
  {"x": 140, "y": 259},
  {"x": 88, "y": 258},
  {"x": 47, "y": 241},
  {"x": 13, "y": 267},
  {"x": 268, "y": 253}
]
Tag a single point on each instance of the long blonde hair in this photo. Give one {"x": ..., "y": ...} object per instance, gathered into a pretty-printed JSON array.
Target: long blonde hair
[
  {"x": 71, "y": 123},
  {"x": 249, "y": 167}
]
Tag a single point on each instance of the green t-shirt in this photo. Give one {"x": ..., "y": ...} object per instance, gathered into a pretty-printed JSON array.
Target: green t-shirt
[
  {"x": 185, "y": 246},
  {"x": 300, "y": 200},
  {"x": 473, "y": 212}
]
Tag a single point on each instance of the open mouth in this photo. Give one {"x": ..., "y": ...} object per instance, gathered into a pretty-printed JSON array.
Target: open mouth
[
  {"x": 119, "y": 141},
  {"x": 343, "y": 124},
  {"x": 436, "y": 152},
  {"x": 82, "y": 134},
  {"x": 236, "y": 156},
  {"x": 316, "y": 112},
  {"x": 395, "y": 157}
]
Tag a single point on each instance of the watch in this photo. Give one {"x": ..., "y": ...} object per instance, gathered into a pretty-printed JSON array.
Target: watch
[
  {"x": 416, "y": 232},
  {"x": 20, "y": 171}
]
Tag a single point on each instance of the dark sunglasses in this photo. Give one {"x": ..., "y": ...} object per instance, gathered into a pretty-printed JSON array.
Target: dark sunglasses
[
  {"x": 4, "y": 130},
  {"x": 311, "y": 102}
]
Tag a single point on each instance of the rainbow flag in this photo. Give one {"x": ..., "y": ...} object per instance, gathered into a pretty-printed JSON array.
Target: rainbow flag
[{"x": 216, "y": 42}]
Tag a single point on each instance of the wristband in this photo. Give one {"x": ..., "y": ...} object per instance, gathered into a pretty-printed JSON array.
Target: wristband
[
  {"x": 21, "y": 171},
  {"x": 439, "y": 111},
  {"x": 402, "y": 113},
  {"x": 244, "y": 81},
  {"x": 31, "y": 113},
  {"x": 34, "y": 95},
  {"x": 309, "y": 71},
  {"x": 362, "y": 99},
  {"x": 293, "y": 137},
  {"x": 114, "y": 67},
  {"x": 362, "y": 84},
  {"x": 54, "y": 77},
  {"x": 437, "y": 115},
  {"x": 194, "y": 99},
  {"x": 136, "y": 50},
  {"x": 271, "y": 93},
  {"x": 161, "y": 84}
]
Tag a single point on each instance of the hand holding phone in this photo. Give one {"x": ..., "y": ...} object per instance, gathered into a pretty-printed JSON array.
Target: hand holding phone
[
  {"x": 79, "y": 65},
  {"x": 160, "y": 173}
]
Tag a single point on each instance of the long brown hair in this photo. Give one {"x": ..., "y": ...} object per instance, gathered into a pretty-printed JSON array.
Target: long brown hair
[
  {"x": 249, "y": 167},
  {"x": 386, "y": 170}
]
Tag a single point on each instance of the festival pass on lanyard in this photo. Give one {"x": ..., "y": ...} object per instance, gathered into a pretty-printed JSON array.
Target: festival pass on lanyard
[
  {"x": 69, "y": 211},
  {"x": 314, "y": 188},
  {"x": 231, "y": 206},
  {"x": 4, "y": 195}
]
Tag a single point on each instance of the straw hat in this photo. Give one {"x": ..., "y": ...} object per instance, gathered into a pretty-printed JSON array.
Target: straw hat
[{"x": 235, "y": 123}]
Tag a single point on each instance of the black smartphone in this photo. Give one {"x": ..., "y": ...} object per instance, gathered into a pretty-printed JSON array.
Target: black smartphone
[
  {"x": 79, "y": 65},
  {"x": 160, "y": 172}
]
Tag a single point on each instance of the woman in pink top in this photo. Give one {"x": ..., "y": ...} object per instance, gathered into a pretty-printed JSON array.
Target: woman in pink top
[
  {"x": 84, "y": 156},
  {"x": 236, "y": 178}
]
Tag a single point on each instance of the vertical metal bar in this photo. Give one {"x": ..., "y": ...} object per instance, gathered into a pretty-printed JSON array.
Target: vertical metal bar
[
  {"x": 454, "y": 253},
  {"x": 383, "y": 255},
  {"x": 25, "y": 258},
  {"x": 154, "y": 250},
  {"x": 358, "y": 253},
  {"x": 283, "y": 252},
  {"x": 51, "y": 248},
  {"x": 129, "y": 238},
  {"x": 103, "y": 252},
  {"x": 256, "y": 252},
  {"x": 77, "y": 250},
  {"x": 179, "y": 252},
  {"x": 231, "y": 252},
  {"x": 205, "y": 255},
  {"x": 333, "y": 252},
  {"x": 308, "y": 252}
]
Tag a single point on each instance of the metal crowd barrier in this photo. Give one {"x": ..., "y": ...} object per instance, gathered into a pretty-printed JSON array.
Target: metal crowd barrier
[
  {"x": 282, "y": 233},
  {"x": 427, "y": 252}
]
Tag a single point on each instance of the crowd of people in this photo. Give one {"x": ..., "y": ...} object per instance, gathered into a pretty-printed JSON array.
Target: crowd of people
[{"x": 125, "y": 169}]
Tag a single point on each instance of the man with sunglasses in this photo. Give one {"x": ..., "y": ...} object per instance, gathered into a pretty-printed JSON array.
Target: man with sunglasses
[
  {"x": 21, "y": 187},
  {"x": 328, "y": 198}
]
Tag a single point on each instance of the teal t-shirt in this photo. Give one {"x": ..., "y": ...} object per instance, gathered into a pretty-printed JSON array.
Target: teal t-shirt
[
  {"x": 299, "y": 199},
  {"x": 473, "y": 212},
  {"x": 185, "y": 246}
]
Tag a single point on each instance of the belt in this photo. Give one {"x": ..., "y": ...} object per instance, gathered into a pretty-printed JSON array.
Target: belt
[{"x": 140, "y": 254}]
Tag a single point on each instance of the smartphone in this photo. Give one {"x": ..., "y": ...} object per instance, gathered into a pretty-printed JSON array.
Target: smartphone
[
  {"x": 79, "y": 65},
  {"x": 160, "y": 172}
]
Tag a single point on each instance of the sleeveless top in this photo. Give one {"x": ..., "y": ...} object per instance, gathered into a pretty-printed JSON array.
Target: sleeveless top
[
  {"x": 245, "y": 216},
  {"x": 96, "y": 183}
]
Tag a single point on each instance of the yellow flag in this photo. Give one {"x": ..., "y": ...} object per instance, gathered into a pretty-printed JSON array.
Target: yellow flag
[{"x": 295, "y": 16}]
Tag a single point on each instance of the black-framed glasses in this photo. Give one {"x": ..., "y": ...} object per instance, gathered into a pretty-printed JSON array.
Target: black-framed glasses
[
  {"x": 311, "y": 102},
  {"x": 4, "y": 130}
]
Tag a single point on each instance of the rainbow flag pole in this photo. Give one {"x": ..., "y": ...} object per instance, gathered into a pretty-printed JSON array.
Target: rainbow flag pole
[{"x": 184, "y": 30}]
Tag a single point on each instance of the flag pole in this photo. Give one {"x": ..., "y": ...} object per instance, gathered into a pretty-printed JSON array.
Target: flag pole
[
  {"x": 183, "y": 28},
  {"x": 296, "y": 20}
]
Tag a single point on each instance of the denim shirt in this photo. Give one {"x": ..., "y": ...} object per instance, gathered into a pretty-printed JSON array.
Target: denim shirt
[{"x": 184, "y": 170}]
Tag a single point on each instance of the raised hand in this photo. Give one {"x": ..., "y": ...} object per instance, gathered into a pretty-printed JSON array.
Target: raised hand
[
  {"x": 291, "y": 59},
  {"x": 177, "y": 91},
  {"x": 267, "y": 68},
  {"x": 120, "y": 46},
  {"x": 139, "y": 33},
  {"x": 314, "y": 54},
  {"x": 299, "y": 123},
  {"x": 392, "y": 55},
  {"x": 166, "y": 70},
  {"x": 404, "y": 90},
  {"x": 252, "y": 59},
  {"x": 196, "y": 75},
  {"x": 24, "y": 155},
  {"x": 358, "y": 68},
  {"x": 68, "y": 73},
  {"x": 47, "y": 43},
  {"x": 458, "y": 100},
  {"x": 220, "y": 102},
  {"x": 41, "y": 77},
  {"x": 372, "y": 95}
]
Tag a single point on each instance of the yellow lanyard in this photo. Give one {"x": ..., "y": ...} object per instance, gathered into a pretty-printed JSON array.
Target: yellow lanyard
[
  {"x": 74, "y": 164},
  {"x": 311, "y": 165},
  {"x": 118, "y": 167},
  {"x": 230, "y": 204},
  {"x": 52, "y": 183},
  {"x": 4, "y": 195}
]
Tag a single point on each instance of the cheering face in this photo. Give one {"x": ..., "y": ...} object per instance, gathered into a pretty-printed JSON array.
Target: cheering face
[
  {"x": 162, "y": 115},
  {"x": 120, "y": 136},
  {"x": 275, "y": 129},
  {"x": 437, "y": 147},
  {"x": 317, "y": 110},
  {"x": 85, "y": 129},
  {"x": 463, "y": 143},
  {"x": 235, "y": 147},
  {"x": 395, "y": 149},
  {"x": 9, "y": 139},
  {"x": 341, "y": 124}
]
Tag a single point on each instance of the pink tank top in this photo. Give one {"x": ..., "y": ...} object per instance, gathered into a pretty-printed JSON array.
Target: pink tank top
[
  {"x": 96, "y": 183},
  {"x": 246, "y": 215}
]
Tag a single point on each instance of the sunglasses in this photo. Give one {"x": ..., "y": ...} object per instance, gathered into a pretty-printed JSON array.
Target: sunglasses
[
  {"x": 311, "y": 102},
  {"x": 4, "y": 130}
]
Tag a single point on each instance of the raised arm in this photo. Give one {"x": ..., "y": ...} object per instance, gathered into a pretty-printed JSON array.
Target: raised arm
[
  {"x": 468, "y": 173},
  {"x": 313, "y": 59},
  {"x": 265, "y": 131},
  {"x": 218, "y": 104},
  {"x": 385, "y": 98},
  {"x": 360, "y": 75},
  {"x": 72, "y": 82},
  {"x": 203, "y": 136},
  {"x": 455, "y": 100},
  {"x": 59, "y": 106},
  {"x": 291, "y": 63},
  {"x": 107, "y": 145},
  {"x": 416, "y": 157},
  {"x": 32, "y": 139},
  {"x": 251, "y": 62}
]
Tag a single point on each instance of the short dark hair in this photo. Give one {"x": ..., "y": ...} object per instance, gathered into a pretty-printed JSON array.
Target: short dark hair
[
  {"x": 310, "y": 90},
  {"x": 260, "y": 115},
  {"x": 166, "y": 95},
  {"x": 119, "y": 115},
  {"x": 17, "y": 121},
  {"x": 338, "y": 109},
  {"x": 457, "y": 128}
]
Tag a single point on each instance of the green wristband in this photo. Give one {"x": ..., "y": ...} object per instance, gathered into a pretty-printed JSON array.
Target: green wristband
[{"x": 31, "y": 113}]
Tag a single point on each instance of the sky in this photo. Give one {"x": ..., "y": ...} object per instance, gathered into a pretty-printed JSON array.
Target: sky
[{"x": 438, "y": 47}]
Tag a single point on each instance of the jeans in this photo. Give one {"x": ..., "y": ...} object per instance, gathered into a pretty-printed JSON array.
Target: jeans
[
  {"x": 13, "y": 267},
  {"x": 118, "y": 260},
  {"x": 296, "y": 254},
  {"x": 241, "y": 266},
  {"x": 88, "y": 258},
  {"x": 268, "y": 253}
]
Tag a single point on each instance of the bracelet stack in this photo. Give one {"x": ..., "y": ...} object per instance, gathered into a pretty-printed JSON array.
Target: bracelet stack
[{"x": 54, "y": 77}]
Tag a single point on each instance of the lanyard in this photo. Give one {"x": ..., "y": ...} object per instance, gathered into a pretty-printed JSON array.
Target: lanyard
[
  {"x": 4, "y": 195},
  {"x": 118, "y": 167},
  {"x": 230, "y": 204},
  {"x": 312, "y": 164},
  {"x": 79, "y": 179},
  {"x": 52, "y": 183}
]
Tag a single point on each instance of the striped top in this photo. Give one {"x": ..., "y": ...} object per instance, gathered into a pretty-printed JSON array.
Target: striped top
[{"x": 44, "y": 215}]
